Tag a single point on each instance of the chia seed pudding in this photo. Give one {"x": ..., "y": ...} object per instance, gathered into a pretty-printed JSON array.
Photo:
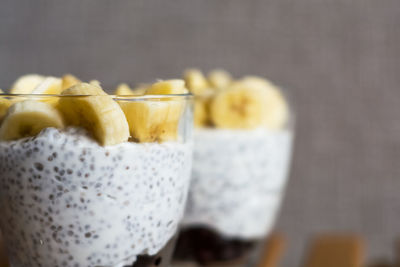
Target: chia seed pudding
[
  {"x": 238, "y": 181},
  {"x": 237, "y": 174},
  {"x": 67, "y": 201}
]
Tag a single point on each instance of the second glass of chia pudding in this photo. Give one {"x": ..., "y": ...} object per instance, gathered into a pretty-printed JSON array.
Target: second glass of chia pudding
[
  {"x": 90, "y": 179},
  {"x": 243, "y": 143}
]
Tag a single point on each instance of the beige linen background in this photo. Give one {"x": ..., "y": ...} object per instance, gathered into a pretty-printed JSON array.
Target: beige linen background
[{"x": 339, "y": 59}]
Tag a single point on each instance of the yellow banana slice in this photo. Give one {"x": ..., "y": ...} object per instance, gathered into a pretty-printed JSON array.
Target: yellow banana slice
[
  {"x": 196, "y": 82},
  {"x": 276, "y": 109},
  {"x": 97, "y": 112},
  {"x": 123, "y": 89},
  {"x": 201, "y": 116},
  {"x": 28, "y": 118},
  {"x": 167, "y": 87},
  {"x": 277, "y": 114},
  {"x": 25, "y": 84},
  {"x": 4, "y": 105},
  {"x": 140, "y": 90},
  {"x": 69, "y": 80},
  {"x": 219, "y": 79},
  {"x": 49, "y": 86},
  {"x": 250, "y": 103},
  {"x": 156, "y": 120},
  {"x": 95, "y": 82},
  {"x": 238, "y": 107},
  {"x": 151, "y": 121}
]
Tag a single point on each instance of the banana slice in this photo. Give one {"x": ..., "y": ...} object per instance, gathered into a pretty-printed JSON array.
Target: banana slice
[
  {"x": 28, "y": 118},
  {"x": 196, "y": 82},
  {"x": 4, "y": 105},
  {"x": 123, "y": 89},
  {"x": 69, "y": 80},
  {"x": 249, "y": 104},
  {"x": 95, "y": 83},
  {"x": 26, "y": 84},
  {"x": 49, "y": 86},
  {"x": 156, "y": 120},
  {"x": 276, "y": 109},
  {"x": 151, "y": 121},
  {"x": 140, "y": 90},
  {"x": 96, "y": 111},
  {"x": 167, "y": 87},
  {"x": 238, "y": 107},
  {"x": 219, "y": 79},
  {"x": 201, "y": 117}
]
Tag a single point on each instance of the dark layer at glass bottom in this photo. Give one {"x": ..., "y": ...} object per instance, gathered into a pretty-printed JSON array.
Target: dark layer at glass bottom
[
  {"x": 207, "y": 247},
  {"x": 161, "y": 259}
]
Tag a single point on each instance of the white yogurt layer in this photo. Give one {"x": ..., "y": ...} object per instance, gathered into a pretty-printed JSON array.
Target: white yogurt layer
[
  {"x": 66, "y": 201},
  {"x": 238, "y": 180}
]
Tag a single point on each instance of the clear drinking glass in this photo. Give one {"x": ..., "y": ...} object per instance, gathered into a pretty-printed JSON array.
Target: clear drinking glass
[
  {"x": 238, "y": 182},
  {"x": 66, "y": 200}
]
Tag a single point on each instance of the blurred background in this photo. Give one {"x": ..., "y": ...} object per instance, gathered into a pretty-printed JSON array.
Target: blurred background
[{"x": 339, "y": 60}]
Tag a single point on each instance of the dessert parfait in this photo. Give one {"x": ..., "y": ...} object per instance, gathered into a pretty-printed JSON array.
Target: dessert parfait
[
  {"x": 242, "y": 151},
  {"x": 90, "y": 179}
]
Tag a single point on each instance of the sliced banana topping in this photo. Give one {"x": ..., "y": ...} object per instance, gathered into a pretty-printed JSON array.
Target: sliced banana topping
[
  {"x": 196, "y": 82},
  {"x": 49, "y": 86},
  {"x": 140, "y": 90},
  {"x": 95, "y": 83},
  {"x": 96, "y": 111},
  {"x": 69, "y": 80},
  {"x": 201, "y": 107},
  {"x": 28, "y": 118},
  {"x": 87, "y": 105},
  {"x": 25, "y": 84},
  {"x": 156, "y": 120},
  {"x": 151, "y": 121},
  {"x": 167, "y": 87},
  {"x": 276, "y": 110},
  {"x": 239, "y": 107},
  {"x": 4, "y": 105},
  {"x": 219, "y": 79},
  {"x": 250, "y": 103},
  {"x": 123, "y": 89}
]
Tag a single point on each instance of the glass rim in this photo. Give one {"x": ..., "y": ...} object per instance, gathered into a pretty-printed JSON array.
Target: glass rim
[{"x": 115, "y": 97}]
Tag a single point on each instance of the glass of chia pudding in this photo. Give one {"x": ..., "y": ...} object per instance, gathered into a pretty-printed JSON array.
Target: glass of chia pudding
[
  {"x": 243, "y": 142},
  {"x": 90, "y": 179}
]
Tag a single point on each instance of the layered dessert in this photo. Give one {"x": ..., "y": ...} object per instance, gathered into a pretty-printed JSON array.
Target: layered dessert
[
  {"x": 242, "y": 152},
  {"x": 90, "y": 179}
]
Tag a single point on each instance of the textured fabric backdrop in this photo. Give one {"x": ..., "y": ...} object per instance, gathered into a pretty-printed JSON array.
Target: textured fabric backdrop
[{"x": 339, "y": 59}]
